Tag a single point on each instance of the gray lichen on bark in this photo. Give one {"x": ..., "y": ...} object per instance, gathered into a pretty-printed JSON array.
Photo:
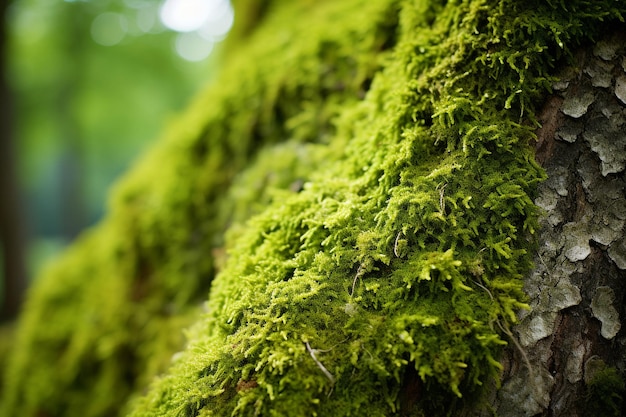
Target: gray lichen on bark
[
  {"x": 602, "y": 307},
  {"x": 578, "y": 285}
]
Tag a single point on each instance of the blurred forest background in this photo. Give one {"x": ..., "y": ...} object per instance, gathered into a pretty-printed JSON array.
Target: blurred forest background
[{"x": 86, "y": 86}]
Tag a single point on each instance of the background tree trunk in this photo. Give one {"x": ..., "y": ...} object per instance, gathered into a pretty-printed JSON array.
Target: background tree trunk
[
  {"x": 11, "y": 225},
  {"x": 72, "y": 202},
  {"x": 571, "y": 343}
]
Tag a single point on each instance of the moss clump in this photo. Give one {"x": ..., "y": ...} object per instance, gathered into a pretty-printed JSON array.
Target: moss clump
[
  {"x": 386, "y": 246},
  {"x": 605, "y": 393}
]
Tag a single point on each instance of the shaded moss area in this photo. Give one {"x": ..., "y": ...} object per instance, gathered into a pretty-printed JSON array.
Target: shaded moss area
[
  {"x": 371, "y": 162},
  {"x": 605, "y": 390},
  {"x": 6, "y": 337}
]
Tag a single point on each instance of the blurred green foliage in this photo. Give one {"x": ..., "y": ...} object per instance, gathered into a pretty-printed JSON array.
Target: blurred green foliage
[{"x": 84, "y": 110}]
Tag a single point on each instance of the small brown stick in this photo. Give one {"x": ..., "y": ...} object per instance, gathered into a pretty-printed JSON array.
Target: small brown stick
[
  {"x": 520, "y": 349},
  {"x": 505, "y": 329}
]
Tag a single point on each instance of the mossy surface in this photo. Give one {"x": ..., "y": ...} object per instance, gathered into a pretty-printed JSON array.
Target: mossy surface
[
  {"x": 605, "y": 390},
  {"x": 6, "y": 338},
  {"x": 382, "y": 286},
  {"x": 106, "y": 318},
  {"x": 383, "y": 150}
]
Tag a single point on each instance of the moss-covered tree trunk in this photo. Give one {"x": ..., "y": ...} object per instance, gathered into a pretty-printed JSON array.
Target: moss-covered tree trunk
[
  {"x": 361, "y": 197},
  {"x": 572, "y": 351}
]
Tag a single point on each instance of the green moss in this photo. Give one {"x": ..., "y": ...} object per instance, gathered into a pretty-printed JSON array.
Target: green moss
[
  {"x": 405, "y": 251},
  {"x": 6, "y": 341},
  {"x": 605, "y": 392},
  {"x": 372, "y": 163},
  {"x": 89, "y": 337},
  {"x": 106, "y": 318}
]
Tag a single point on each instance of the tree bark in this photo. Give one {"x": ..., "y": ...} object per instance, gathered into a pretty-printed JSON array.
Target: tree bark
[
  {"x": 71, "y": 163},
  {"x": 11, "y": 223},
  {"x": 570, "y": 357}
]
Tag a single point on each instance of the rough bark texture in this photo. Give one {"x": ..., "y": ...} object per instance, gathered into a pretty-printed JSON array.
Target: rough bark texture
[{"x": 572, "y": 337}]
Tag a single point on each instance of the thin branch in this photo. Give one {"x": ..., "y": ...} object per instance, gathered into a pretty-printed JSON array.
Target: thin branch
[
  {"x": 442, "y": 201},
  {"x": 484, "y": 288},
  {"x": 520, "y": 349},
  {"x": 395, "y": 245},
  {"x": 356, "y": 276},
  {"x": 330, "y": 376}
]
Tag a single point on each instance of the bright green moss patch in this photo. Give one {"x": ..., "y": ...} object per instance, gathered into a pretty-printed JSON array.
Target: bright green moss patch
[
  {"x": 381, "y": 287},
  {"x": 383, "y": 150}
]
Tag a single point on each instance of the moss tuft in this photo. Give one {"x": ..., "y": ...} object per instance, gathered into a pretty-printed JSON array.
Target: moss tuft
[{"x": 605, "y": 393}]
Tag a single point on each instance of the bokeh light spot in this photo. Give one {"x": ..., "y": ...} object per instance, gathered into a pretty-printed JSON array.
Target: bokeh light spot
[
  {"x": 109, "y": 28},
  {"x": 193, "y": 47},
  {"x": 219, "y": 23},
  {"x": 186, "y": 15},
  {"x": 200, "y": 23}
]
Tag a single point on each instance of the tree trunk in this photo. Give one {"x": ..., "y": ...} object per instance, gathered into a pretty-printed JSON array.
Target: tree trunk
[
  {"x": 11, "y": 226},
  {"x": 71, "y": 163},
  {"x": 571, "y": 343}
]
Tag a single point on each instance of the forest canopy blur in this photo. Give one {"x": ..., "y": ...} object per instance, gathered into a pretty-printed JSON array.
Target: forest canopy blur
[{"x": 93, "y": 82}]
